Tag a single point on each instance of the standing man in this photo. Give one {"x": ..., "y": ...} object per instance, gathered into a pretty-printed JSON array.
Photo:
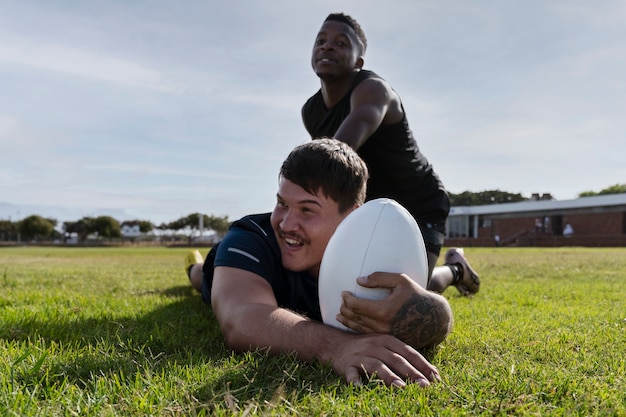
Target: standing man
[
  {"x": 261, "y": 279},
  {"x": 361, "y": 109}
]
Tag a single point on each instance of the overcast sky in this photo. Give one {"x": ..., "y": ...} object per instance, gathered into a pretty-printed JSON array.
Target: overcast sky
[{"x": 157, "y": 109}]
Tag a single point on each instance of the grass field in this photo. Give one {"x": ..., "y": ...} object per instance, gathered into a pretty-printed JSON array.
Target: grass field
[{"x": 119, "y": 332}]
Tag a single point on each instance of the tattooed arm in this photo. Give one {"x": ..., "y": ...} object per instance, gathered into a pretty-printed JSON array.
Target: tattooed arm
[{"x": 418, "y": 317}]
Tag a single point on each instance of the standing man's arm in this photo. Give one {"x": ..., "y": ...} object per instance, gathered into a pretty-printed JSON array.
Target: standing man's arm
[
  {"x": 372, "y": 103},
  {"x": 250, "y": 318}
]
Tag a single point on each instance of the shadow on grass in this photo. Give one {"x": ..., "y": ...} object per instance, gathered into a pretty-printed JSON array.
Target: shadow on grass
[{"x": 181, "y": 332}]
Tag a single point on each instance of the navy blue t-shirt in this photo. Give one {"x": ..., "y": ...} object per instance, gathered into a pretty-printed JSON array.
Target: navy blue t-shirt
[{"x": 250, "y": 244}]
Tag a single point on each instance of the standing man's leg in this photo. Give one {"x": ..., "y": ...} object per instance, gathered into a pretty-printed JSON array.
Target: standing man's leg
[{"x": 455, "y": 271}]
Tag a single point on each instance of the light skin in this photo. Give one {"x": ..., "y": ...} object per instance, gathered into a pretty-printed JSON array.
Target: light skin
[
  {"x": 336, "y": 58},
  {"x": 250, "y": 317}
]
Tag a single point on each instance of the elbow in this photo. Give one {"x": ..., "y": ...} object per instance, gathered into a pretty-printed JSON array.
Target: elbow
[
  {"x": 233, "y": 339},
  {"x": 425, "y": 322},
  {"x": 442, "y": 321},
  {"x": 240, "y": 341}
]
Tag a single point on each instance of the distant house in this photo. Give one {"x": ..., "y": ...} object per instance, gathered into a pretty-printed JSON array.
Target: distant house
[
  {"x": 597, "y": 221},
  {"x": 130, "y": 230}
]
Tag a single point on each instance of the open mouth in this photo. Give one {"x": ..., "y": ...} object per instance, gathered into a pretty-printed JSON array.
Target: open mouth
[{"x": 292, "y": 241}]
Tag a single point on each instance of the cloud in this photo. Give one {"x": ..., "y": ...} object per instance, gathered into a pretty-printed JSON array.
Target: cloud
[
  {"x": 73, "y": 61},
  {"x": 162, "y": 109}
]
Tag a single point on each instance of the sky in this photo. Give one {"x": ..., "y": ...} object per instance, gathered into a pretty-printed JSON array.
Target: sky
[{"x": 153, "y": 110}]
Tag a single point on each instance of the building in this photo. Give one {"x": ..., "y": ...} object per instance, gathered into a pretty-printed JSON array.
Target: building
[
  {"x": 593, "y": 221},
  {"x": 130, "y": 230}
]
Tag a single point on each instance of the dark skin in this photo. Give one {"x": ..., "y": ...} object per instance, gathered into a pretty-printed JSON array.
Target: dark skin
[
  {"x": 418, "y": 317},
  {"x": 336, "y": 59}
]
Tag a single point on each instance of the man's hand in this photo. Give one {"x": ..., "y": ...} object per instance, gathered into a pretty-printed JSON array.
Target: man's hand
[
  {"x": 414, "y": 315},
  {"x": 384, "y": 356}
]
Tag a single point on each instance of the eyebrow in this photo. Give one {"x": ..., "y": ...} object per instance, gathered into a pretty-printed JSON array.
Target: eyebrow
[
  {"x": 345, "y": 33},
  {"x": 305, "y": 201}
]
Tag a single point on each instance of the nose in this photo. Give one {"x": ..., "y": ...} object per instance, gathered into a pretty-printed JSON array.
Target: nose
[
  {"x": 326, "y": 45},
  {"x": 288, "y": 221}
]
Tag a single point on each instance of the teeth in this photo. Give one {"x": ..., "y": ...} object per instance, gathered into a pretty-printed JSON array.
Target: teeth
[{"x": 292, "y": 241}]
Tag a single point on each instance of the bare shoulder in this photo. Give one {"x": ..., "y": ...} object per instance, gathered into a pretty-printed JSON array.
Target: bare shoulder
[
  {"x": 374, "y": 85},
  {"x": 378, "y": 91}
]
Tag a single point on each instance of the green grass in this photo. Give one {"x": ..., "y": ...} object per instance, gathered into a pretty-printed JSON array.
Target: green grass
[{"x": 120, "y": 332}]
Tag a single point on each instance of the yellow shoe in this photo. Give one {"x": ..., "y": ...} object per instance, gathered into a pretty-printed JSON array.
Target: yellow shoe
[{"x": 192, "y": 258}]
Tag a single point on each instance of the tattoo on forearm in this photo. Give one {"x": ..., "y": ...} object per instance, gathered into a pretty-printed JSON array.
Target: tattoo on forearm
[{"x": 421, "y": 322}]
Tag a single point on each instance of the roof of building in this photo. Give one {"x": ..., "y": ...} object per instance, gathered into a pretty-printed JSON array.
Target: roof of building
[{"x": 600, "y": 201}]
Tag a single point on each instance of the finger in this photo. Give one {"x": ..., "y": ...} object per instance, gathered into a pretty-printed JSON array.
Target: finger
[
  {"x": 375, "y": 314},
  {"x": 416, "y": 361},
  {"x": 361, "y": 306},
  {"x": 394, "y": 370},
  {"x": 375, "y": 368},
  {"x": 360, "y": 326},
  {"x": 353, "y": 376},
  {"x": 362, "y": 320},
  {"x": 399, "y": 377},
  {"x": 380, "y": 279}
]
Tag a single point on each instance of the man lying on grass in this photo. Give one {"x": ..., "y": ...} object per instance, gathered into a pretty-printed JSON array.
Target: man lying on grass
[{"x": 261, "y": 279}]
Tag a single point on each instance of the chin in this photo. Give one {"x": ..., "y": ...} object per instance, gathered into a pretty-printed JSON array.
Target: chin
[
  {"x": 325, "y": 75},
  {"x": 292, "y": 267},
  {"x": 295, "y": 266}
]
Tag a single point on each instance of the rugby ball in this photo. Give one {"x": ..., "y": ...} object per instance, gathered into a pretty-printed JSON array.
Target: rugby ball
[{"x": 379, "y": 236}]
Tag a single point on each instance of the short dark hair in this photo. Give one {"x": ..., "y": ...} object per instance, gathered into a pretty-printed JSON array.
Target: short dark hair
[
  {"x": 350, "y": 21},
  {"x": 328, "y": 166}
]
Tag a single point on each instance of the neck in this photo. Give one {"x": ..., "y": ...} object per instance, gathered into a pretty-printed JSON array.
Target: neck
[{"x": 335, "y": 89}]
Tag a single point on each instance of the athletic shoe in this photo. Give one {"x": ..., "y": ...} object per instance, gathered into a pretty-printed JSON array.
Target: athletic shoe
[
  {"x": 192, "y": 258},
  {"x": 469, "y": 282}
]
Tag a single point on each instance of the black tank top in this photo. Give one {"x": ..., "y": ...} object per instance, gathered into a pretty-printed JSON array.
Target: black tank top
[{"x": 397, "y": 168}]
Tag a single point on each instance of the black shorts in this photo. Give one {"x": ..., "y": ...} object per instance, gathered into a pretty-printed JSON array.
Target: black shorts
[
  {"x": 434, "y": 235},
  {"x": 431, "y": 215}
]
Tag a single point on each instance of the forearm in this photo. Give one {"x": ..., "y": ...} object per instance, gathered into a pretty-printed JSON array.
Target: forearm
[
  {"x": 423, "y": 321},
  {"x": 350, "y": 355},
  {"x": 260, "y": 326},
  {"x": 354, "y": 133}
]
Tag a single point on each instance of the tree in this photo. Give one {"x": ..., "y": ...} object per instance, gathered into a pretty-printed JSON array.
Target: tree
[
  {"x": 613, "y": 189},
  {"x": 36, "y": 227},
  {"x": 106, "y": 226},
  {"x": 145, "y": 226},
  {"x": 219, "y": 224},
  {"x": 82, "y": 228},
  {"x": 468, "y": 198},
  {"x": 192, "y": 221},
  {"x": 8, "y": 230}
]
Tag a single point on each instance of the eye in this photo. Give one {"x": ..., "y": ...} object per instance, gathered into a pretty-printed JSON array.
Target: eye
[
  {"x": 309, "y": 211},
  {"x": 280, "y": 203}
]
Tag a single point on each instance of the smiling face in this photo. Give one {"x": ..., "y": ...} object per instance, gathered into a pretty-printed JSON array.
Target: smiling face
[
  {"x": 303, "y": 223},
  {"x": 337, "y": 51}
]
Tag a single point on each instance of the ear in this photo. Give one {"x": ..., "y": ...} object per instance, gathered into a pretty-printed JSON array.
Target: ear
[{"x": 360, "y": 62}]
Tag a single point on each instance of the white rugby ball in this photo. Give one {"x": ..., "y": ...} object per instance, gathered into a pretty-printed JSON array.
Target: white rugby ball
[{"x": 379, "y": 236}]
